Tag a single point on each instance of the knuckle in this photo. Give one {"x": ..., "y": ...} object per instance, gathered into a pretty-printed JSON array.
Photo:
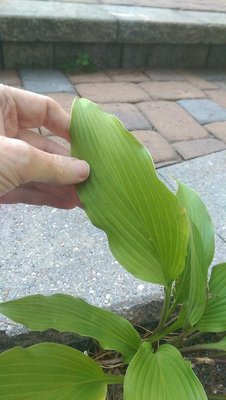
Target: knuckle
[{"x": 23, "y": 163}]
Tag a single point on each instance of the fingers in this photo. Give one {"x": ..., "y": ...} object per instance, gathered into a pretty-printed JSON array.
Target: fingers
[
  {"x": 43, "y": 143},
  {"x": 21, "y": 163},
  {"x": 35, "y": 110},
  {"x": 55, "y": 169}
]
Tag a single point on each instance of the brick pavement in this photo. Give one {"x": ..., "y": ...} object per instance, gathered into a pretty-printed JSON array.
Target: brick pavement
[{"x": 177, "y": 114}]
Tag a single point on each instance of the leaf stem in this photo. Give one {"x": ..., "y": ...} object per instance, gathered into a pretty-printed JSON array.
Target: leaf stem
[
  {"x": 169, "y": 329},
  {"x": 194, "y": 335},
  {"x": 172, "y": 308},
  {"x": 183, "y": 336},
  {"x": 165, "y": 309},
  {"x": 114, "y": 379},
  {"x": 196, "y": 347}
]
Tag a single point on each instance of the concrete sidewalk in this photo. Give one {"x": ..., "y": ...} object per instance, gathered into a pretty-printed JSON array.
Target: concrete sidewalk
[{"x": 180, "y": 116}]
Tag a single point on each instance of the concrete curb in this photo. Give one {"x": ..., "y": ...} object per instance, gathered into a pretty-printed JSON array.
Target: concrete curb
[{"x": 36, "y": 35}]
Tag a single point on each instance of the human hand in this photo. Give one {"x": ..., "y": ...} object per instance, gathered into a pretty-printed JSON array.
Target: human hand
[{"x": 34, "y": 169}]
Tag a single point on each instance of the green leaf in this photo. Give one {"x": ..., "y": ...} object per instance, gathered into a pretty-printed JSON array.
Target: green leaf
[
  {"x": 217, "y": 282},
  {"x": 214, "y": 316},
  {"x": 50, "y": 372},
  {"x": 162, "y": 375},
  {"x": 190, "y": 288},
  {"x": 68, "y": 314},
  {"x": 146, "y": 228},
  {"x": 199, "y": 216}
]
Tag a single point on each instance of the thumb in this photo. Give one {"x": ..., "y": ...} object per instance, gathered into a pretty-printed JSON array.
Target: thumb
[{"x": 56, "y": 169}]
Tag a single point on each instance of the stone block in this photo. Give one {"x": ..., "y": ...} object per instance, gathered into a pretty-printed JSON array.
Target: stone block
[
  {"x": 85, "y": 77},
  {"x": 196, "y": 80},
  {"x": 100, "y": 55},
  {"x": 198, "y": 148},
  {"x": 182, "y": 55},
  {"x": 127, "y": 75},
  {"x": 172, "y": 121},
  {"x": 220, "y": 84},
  {"x": 204, "y": 110},
  {"x": 129, "y": 114},
  {"x": 50, "y": 22},
  {"x": 155, "y": 25},
  {"x": 219, "y": 96},
  {"x": 112, "y": 92},
  {"x": 9, "y": 77},
  {"x": 205, "y": 5},
  {"x": 163, "y": 75},
  {"x": 217, "y": 56},
  {"x": 64, "y": 99},
  {"x": 212, "y": 75},
  {"x": 35, "y": 55},
  {"x": 1, "y": 56},
  {"x": 217, "y": 129},
  {"x": 45, "y": 81},
  {"x": 171, "y": 90},
  {"x": 136, "y": 55},
  {"x": 158, "y": 147}
]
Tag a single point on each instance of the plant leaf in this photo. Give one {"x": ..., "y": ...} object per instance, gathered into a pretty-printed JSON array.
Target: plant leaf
[
  {"x": 146, "y": 228},
  {"x": 214, "y": 316},
  {"x": 217, "y": 282},
  {"x": 199, "y": 215},
  {"x": 69, "y": 314},
  {"x": 50, "y": 372},
  {"x": 190, "y": 288},
  {"x": 163, "y": 375}
]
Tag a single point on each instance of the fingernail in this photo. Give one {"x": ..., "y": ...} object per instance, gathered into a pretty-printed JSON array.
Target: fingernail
[{"x": 82, "y": 168}]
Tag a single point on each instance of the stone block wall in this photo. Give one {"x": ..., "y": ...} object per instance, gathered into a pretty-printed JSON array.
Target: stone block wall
[{"x": 110, "y": 55}]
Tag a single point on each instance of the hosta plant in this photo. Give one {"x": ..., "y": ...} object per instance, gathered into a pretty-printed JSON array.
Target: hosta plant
[{"x": 159, "y": 237}]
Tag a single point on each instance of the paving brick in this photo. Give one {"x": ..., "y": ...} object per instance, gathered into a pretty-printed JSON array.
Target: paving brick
[
  {"x": 164, "y": 74},
  {"x": 212, "y": 74},
  {"x": 197, "y": 148},
  {"x": 81, "y": 1},
  {"x": 61, "y": 141},
  {"x": 127, "y": 76},
  {"x": 220, "y": 84},
  {"x": 45, "y": 132},
  {"x": 45, "y": 81},
  {"x": 158, "y": 147},
  {"x": 64, "y": 99},
  {"x": 114, "y": 92},
  {"x": 172, "y": 121},
  {"x": 218, "y": 129},
  {"x": 35, "y": 55},
  {"x": 88, "y": 77},
  {"x": 9, "y": 77},
  {"x": 204, "y": 110},
  {"x": 218, "y": 95},
  {"x": 171, "y": 90},
  {"x": 129, "y": 114},
  {"x": 196, "y": 80}
]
